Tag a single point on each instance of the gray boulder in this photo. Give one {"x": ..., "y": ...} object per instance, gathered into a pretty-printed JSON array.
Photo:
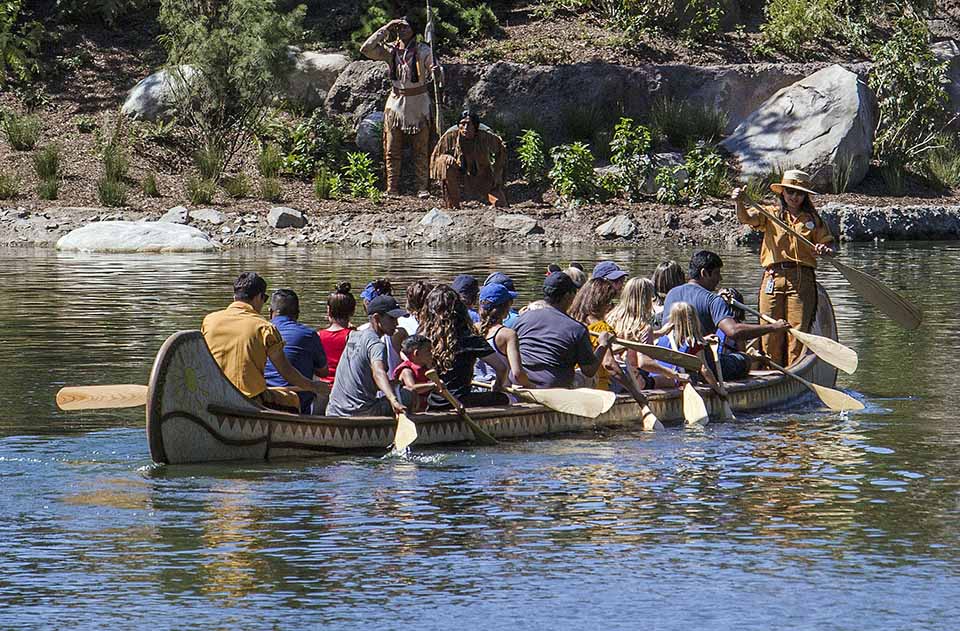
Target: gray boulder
[
  {"x": 135, "y": 236},
  {"x": 177, "y": 214},
  {"x": 370, "y": 134},
  {"x": 436, "y": 218},
  {"x": 313, "y": 75},
  {"x": 361, "y": 88},
  {"x": 949, "y": 52},
  {"x": 153, "y": 98},
  {"x": 208, "y": 215},
  {"x": 521, "y": 224},
  {"x": 283, "y": 217},
  {"x": 620, "y": 226},
  {"x": 823, "y": 125}
]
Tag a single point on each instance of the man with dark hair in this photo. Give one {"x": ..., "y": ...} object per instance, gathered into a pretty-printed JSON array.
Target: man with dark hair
[
  {"x": 301, "y": 345},
  {"x": 241, "y": 341},
  {"x": 714, "y": 313},
  {"x": 468, "y": 288},
  {"x": 552, "y": 343},
  {"x": 470, "y": 161}
]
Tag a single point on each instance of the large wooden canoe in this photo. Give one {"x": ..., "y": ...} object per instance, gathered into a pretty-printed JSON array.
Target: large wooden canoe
[{"x": 194, "y": 414}]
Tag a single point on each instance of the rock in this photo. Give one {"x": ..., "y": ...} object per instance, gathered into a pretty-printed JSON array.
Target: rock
[
  {"x": 153, "y": 98},
  {"x": 620, "y": 226},
  {"x": 283, "y": 217},
  {"x": 51, "y": 225},
  {"x": 279, "y": 242},
  {"x": 225, "y": 230},
  {"x": 135, "y": 236},
  {"x": 949, "y": 52},
  {"x": 313, "y": 76},
  {"x": 249, "y": 219},
  {"x": 208, "y": 215},
  {"x": 436, "y": 218},
  {"x": 360, "y": 89},
  {"x": 521, "y": 224},
  {"x": 370, "y": 134},
  {"x": 177, "y": 214},
  {"x": 671, "y": 220},
  {"x": 822, "y": 124},
  {"x": 379, "y": 237}
]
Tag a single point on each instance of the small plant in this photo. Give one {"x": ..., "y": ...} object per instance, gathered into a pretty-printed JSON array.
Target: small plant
[
  {"x": 315, "y": 142},
  {"x": 209, "y": 162},
  {"x": 841, "y": 174},
  {"x": 572, "y": 173},
  {"x": 706, "y": 173},
  {"x": 115, "y": 162},
  {"x": 46, "y": 162},
  {"x": 149, "y": 185},
  {"x": 86, "y": 124},
  {"x": 237, "y": 186},
  {"x": 159, "y": 131},
  {"x": 9, "y": 186},
  {"x": 759, "y": 187},
  {"x": 200, "y": 190},
  {"x": 48, "y": 188},
  {"x": 943, "y": 163},
  {"x": 792, "y": 25},
  {"x": 894, "y": 178},
  {"x": 684, "y": 124},
  {"x": 327, "y": 185},
  {"x": 631, "y": 152},
  {"x": 111, "y": 192},
  {"x": 533, "y": 159},
  {"x": 359, "y": 177},
  {"x": 270, "y": 189},
  {"x": 22, "y": 130},
  {"x": 669, "y": 190},
  {"x": 270, "y": 161}
]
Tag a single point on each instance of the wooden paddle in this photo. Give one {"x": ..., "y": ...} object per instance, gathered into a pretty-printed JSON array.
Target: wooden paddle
[
  {"x": 871, "y": 289},
  {"x": 101, "y": 397},
  {"x": 694, "y": 408},
  {"x": 585, "y": 402},
  {"x": 479, "y": 434},
  {"x": 830, "y": 351},
  {"x": 726, "y": 412},
  {"x": 834, "y": 399},
  {"x": 668, "y": 355},
  {"x": 406, "y": 433}
]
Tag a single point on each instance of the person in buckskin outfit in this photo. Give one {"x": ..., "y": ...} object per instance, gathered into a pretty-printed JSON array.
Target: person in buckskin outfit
[{"x": 469, "y": 161}]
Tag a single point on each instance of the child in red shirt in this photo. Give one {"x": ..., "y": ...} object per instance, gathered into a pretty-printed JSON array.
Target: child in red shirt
[{"x": 414, "y": 386}]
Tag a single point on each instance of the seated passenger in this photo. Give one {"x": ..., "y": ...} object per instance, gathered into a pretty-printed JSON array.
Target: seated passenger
[
  {"x": 241, "y": 341},
  {"x": 495, "y": 306},
  {"x": 413, "y": 385},
  {"x": 362, "y": 372},
  {"x": 468, "y": 289},
  {"x": 552, "y": 344},
  {"x": 300, "y": 344},
  {"x": 500, "y": 278},
  {"x": 682, "y": 333},
  {"x": 341, "y": 306}
]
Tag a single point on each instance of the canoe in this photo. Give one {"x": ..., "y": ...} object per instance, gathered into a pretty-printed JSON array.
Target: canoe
[{"x": 194, "y": 414}]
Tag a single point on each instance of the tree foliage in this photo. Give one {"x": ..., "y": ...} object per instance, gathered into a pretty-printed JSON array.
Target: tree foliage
[{"x": 19, "y": 43}]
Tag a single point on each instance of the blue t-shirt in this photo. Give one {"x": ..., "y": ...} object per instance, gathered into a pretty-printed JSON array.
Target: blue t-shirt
[
  {"x": 711, "y": 308},
  {"x": 301, "y": 345},
  {"x": 552, "y": 344},
  {"x": 511, "y": 318}
]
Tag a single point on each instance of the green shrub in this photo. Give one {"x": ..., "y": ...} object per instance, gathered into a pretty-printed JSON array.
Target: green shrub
[
  {"x": 669, "y": 190},
  {"x": 9, "y": 186},
  {"x": 46, "y": 162},
  {"x": 149, "y": 185},
  {"x": 200, "y": 190},
  {"x": 693, "y": 20},
  {"x": 684, "y": 123},
  {"x": 572, "y": 173},
  {"x": 706, "y": 173},
  {"x": 106, "y": 11},
  {"x": 315, "y": 142},
  {"x": 588, "y": 123},
  {"x": 270, "y": 189},
  {"x": 270, "y": 161},
  {"x": 22, "y": 130},
  {"x": 943, "y": 163},
  {"x": 631, "y": 152},
  {"x": 85, "y": 124},
  {"x": 359, "y": 176},
  {"x": 209, "y": 162},
  {"x": 237, "y": 186},
  {"x": 533, "y": 158},
  {"x": 792, "y": 25},
  {"x": 327, "y": 184},
  {"x": 48, "y": 188},
  {"x": 111, "y": 192},
  {"x": 159, "y": 131},
  {"x": 19, "y": 44}
]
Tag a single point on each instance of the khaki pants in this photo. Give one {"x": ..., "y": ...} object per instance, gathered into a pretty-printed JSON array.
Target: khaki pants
[
  {"x": 277, "y": 398},
  {"x": 393, "y": 142},
  {"x": 457, "y": 186},
  {"x": 794, "y": 299}
]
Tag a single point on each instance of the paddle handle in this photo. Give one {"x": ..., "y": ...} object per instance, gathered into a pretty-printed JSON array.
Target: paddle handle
[
  {"x": 684, "y": 360},
  {"x": 479, "y": 434},
  {"x": 740, "y": 305},
  {"x": 765, "y": 359}
]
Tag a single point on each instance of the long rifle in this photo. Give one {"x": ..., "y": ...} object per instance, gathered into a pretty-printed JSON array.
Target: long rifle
[{"x": 437, "y": 72}]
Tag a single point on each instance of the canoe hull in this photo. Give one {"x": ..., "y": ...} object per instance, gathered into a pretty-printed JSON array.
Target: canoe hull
[{"x": 194, "y": 414}]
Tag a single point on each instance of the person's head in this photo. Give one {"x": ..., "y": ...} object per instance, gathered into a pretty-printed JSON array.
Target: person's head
[
  {"x": 341, "y": 305},
  {"x": 285, "y": 302},
  {"x": 406, "y": 30},
  {"x": 577, "y": 275},
  {"x": 705, "y": 269},
  {"x": 468, "y": 287},
  {"x": 738, "y": 314},
  {"x": 418, "y": 349},
  {"x": 553, "y": 267},
  {"x": 669, "y": 274},
  {"x": 469, "y": 124},
  {"x": 684, "y": 323},
  {"x": 608, "y": 270},
  {"x": 559, "y": 290},
  {"x": 576, "y": 265},
  {"x": 633, "y": 315},
  {"x": 379, "y": 287},
  {"x": 383, "y": 312},
  {"x": 495, "y": 303},
  {"x": 417, "y": 295},
  {"x": 595, "y": 299},
  {"x": 794, "y": 190},
  {"x": 445, "y": 321},
  {"x": 251, "y": 289},
  {"x": 501, "y": 279}
]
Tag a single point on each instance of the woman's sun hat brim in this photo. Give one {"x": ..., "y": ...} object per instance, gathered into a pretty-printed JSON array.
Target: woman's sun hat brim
[{"x": 797, "y": 180}]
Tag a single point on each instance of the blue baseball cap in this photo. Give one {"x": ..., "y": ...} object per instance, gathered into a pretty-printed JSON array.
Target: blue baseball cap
[
  {"x": 501, "y": 279},
  {"x": 465, "y": 284},
  {"x": 608, "y": 270},
  {"x": 496, "y": 294}
]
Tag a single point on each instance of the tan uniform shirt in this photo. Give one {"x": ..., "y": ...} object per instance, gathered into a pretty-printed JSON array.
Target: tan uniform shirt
[
  {"x": 779, "y": 245},
  {"x": 240, "y": 339},
  {"x": 409, "y": 113}
]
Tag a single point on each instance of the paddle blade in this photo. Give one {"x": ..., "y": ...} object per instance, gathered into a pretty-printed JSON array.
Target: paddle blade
[
  {"x": 836, "y": 400},
  {"x": 694, "y": 408},
  {"x": 882, "y": 297},
  {"x": 406, "y": 433},
  {"x": 659, "y": 353},
  {"x": 830, "y": 351},
  {"x": 101, "y": 397},
  {"x": 586, "y": 402}
]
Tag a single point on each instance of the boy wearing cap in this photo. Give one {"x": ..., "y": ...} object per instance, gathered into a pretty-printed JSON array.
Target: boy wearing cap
[
  {"x": 552, "y": 344},
  {"x": 608, "y": 270},
  {"x": 469, "y": 161},
  {"x": 468, "y": 289},
  {"x": 362, "y": 371}
]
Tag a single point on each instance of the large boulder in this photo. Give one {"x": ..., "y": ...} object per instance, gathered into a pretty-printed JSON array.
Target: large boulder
[
  {"x": 949, "y": 52},
  {"x": 313, "y": 75},
  {"x": 153, "y": 98},
  {"x": 370, "y": 134},
  {"x": 359, "y": 90},
  {"x": 135, "y": 236},
  {"x": 823, "y": 124}
]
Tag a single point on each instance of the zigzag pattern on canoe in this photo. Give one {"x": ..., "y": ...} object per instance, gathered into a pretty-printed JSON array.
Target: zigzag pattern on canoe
[{"x": 234, "y": 442}]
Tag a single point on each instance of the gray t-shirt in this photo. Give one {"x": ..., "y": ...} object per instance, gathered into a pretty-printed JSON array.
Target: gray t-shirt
[{"x": 354, "y": 390}]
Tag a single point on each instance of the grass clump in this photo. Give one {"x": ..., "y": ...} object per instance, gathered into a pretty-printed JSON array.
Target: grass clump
[
  {"x": 327, "y": 185},
  {"x": 793, "y": 25},
  {"x": 115, "y": 162},
  {"x": 200, "y": 190},
  {"x": 237, "y": 186},
  {"x": 111, "y": 192},
  {"x": 149, "y": 185},
  {"x": 9, "y": 186},
  {"x": 49, "y": 188},
  {"x": 46, "y": 162},
  {"x": 22, "y": 130},
  {"x": 943, "y": 163},
  {"x": 270, "y": 161},
  {"x": 270, "y": 189},
  {"x": 684, "y": 124},
  {"x": 209, "y": 162}
]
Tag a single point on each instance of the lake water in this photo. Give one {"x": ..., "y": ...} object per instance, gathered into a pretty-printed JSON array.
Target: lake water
[{"x": 798, "y": 520}]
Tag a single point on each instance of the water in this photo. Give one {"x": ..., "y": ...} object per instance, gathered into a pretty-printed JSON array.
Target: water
[{"x": 799, "y": 520}]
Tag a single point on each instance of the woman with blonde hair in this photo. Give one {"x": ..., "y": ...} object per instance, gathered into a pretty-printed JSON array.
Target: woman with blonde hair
[{"x": 683, "y": 333}]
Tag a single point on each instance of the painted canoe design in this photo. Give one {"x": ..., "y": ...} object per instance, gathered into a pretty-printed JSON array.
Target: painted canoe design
[{"x": 194, "y": 414}]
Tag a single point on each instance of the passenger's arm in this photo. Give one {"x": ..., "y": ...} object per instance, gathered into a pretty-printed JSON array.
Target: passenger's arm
[
  {"x": 590, "y": 361},
  {"x": 500, "y": 367},
  {"x": 291, "y": 374},
  {"x": 380, "y": 378},
  {"x": 512, "y": 344},
  {"x": 743, "y": 331}
]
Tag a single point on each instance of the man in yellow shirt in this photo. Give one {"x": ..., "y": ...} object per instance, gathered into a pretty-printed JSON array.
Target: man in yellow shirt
[{"x": 241, "y": 340}]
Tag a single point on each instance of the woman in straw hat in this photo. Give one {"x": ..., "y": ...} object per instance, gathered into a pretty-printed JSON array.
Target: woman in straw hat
[{"x": 788, "y": 289}]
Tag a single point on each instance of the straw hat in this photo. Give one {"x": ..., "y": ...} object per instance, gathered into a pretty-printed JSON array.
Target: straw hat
[{"x": 797, "y": 180}]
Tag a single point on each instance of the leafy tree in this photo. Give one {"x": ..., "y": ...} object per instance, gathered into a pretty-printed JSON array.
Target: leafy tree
[{"x": 19, "y": 43}]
